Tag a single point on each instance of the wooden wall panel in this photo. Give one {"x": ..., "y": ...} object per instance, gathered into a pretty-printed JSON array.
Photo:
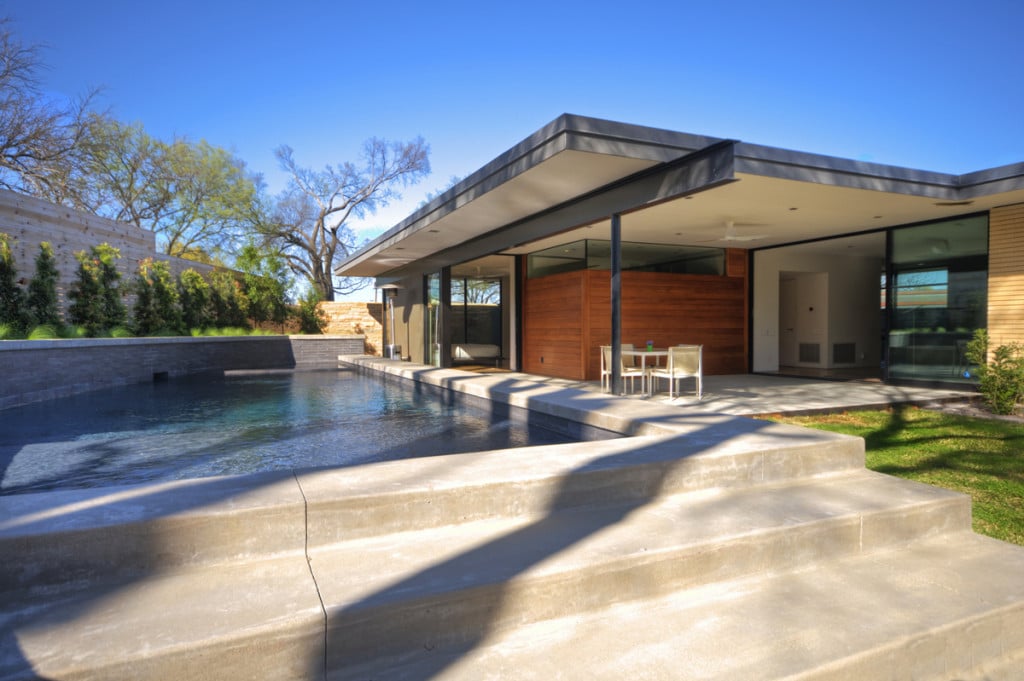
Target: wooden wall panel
[
  {"x": 670, "y": 309},
  {"x": 1006, "y": 274},
  {"x": 567, "y": 318},
  {"x": 553, "y": 326}
]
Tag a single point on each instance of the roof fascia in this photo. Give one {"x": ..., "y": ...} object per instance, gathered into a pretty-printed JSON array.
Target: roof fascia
[
  {"x": 805, "y": 167},
  {"x": 992, "y": 181},
  {"x": 800, "y": 166}
]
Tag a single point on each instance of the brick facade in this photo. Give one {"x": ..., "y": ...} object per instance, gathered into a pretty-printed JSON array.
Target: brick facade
[{"x": 1006, "y": 274}]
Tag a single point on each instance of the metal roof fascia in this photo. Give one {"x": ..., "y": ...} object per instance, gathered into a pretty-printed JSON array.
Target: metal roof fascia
[
  {"x": 830, "y": 170},
  {"x": 1006, "y": 178}
]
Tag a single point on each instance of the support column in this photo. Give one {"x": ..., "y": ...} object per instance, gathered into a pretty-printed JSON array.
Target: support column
[
  {"x": 445, "y": 331},
  {"x": 616, "y": 248}
]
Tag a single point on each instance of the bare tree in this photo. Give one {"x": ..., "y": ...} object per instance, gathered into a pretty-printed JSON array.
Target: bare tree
[
  {"x": 38, "y": 139},
  {"x": 309, "y": 227}
]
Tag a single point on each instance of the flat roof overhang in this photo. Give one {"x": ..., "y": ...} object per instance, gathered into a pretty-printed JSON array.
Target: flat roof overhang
[{"x": 565, "y": 181}]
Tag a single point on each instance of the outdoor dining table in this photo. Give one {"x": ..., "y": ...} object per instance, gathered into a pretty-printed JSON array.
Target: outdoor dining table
[{"x": 644, "y": 354}]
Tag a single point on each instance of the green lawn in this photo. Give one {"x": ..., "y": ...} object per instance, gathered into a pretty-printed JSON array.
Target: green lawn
[{"x": 981, "y": 457}]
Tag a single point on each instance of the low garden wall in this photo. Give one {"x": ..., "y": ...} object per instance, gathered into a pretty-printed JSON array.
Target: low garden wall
[{"x": 31, "y": 371}]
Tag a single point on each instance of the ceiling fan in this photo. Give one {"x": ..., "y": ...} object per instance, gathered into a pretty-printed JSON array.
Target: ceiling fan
[{"x": 731, "y": 233}]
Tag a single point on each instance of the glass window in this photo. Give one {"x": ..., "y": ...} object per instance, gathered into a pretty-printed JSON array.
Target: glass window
[
  {"x": 476, "y": 311},
  {"x": 595, "y": 254},
  {"x": 565, "y": 258},
  {"x": 939, "y": 291}
]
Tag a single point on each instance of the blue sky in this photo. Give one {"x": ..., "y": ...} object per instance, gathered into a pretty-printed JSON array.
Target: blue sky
[{"x": 936, "y": 85}]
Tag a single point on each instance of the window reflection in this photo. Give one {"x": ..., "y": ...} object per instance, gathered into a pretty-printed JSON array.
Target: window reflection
[{"x": 939, "y": 297}]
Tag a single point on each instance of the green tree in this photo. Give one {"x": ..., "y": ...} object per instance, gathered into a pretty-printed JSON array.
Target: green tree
[
  {"x": 227, "y": 300},
  {"x": 196, "y": 197},
  {"x": 12, "y": 298},
  {"x": 95, "y": 294},
  {"x": 266, "y": 281},
  {"x": 156, "y": 300},
  {"x": 42, "y": 289},
  {"x": 308, "y": 223},
  {"x": 311, "y": 318},
  {"x": 194, "y": 296}
]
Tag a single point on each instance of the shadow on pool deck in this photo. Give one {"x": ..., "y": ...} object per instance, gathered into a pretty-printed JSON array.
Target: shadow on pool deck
[{"x": 760, "y": 394}]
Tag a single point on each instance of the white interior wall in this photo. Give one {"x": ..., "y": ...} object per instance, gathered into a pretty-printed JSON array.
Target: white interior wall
[{"x": 851, "y": 304}]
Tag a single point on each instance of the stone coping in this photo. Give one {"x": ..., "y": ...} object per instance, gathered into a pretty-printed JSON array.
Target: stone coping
[{"x": 51, "y": 343}]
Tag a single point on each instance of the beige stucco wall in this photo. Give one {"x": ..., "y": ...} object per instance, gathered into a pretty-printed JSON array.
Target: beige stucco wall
[
  {"x": 409, "y": 324},
  {"x": 1006, "y": 274}
]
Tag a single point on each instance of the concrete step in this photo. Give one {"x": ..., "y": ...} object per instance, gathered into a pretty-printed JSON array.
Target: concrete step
[
  {"x": 435, "y": 492},
  {"x": 70, "y": 538},
  {"x": 254, "y": 620},
  {"x": 383, "y": 571},
  {"x": 441, "y": 587},
  {"x": 947, "y": 607},
  {"x": 74, "y": 537}
]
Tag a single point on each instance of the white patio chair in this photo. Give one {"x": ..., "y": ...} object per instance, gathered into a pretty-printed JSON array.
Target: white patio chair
[
  {"x": 628, "y": 368},
  {"x": 684, "y": 361}
]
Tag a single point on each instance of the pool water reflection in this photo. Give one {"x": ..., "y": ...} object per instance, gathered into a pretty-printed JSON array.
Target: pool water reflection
[{"x": 189, "y": 428}]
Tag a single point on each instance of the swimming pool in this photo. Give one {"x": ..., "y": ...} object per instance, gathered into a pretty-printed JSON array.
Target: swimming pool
[{"x": 245, "y": 423}]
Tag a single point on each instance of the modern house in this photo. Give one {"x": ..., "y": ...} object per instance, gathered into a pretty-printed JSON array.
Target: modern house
[{"x": 590, "y": 232}]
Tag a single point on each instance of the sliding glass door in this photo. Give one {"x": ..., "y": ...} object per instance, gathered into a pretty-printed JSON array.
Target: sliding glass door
[{"x": 937, "y": 297}]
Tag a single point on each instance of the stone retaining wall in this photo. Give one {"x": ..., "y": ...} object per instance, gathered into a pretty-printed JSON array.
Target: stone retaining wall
[
  {"x": 366, "y": 319},
  {"x": 33, "y": 371}
]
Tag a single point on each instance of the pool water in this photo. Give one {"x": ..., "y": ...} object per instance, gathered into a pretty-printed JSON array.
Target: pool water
[{"x": 191, "y": 428}]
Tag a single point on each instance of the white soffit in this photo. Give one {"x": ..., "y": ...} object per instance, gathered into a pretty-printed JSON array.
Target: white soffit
[
  {"x": 560, "y": 178},
  {"x": 776, "y": 211}
]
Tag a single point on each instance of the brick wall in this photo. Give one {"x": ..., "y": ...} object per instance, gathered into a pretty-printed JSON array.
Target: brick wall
[
  {"x": 41, "y": 370},
  {"x": 30, "y": 221},
  {"x": 1006, "y": 274}
]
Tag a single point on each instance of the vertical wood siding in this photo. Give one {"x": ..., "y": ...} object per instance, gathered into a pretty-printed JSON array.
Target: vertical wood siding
[{"x": 567, "y": 319}]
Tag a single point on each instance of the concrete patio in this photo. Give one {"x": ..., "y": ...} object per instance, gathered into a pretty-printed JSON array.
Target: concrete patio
[{"x": 761, "y": 394}]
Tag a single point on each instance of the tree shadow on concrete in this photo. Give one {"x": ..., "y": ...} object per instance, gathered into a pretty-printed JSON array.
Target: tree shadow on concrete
[{"x": 422, "y": 641}]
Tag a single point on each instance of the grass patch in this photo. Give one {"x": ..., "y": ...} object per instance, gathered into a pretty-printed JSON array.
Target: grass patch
[{"x": 980, "y": 457}]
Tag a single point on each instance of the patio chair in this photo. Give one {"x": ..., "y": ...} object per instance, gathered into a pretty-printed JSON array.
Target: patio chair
[
  {"x": 684, "y": 361},
  {"x": 628, "y": 370}
]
